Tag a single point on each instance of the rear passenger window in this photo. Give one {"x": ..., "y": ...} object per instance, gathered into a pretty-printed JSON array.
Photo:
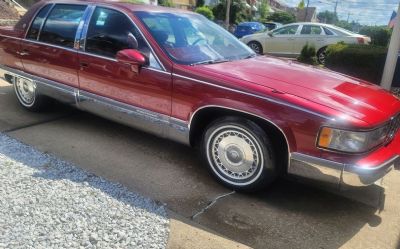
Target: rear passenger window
[
  {"x": 37, "y": 23},
  {"x": 61, "y": 25}
]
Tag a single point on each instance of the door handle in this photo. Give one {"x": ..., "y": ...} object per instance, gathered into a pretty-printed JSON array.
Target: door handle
[
  {"x": 24, "y": 52},
  {"x": 291, "y": 39},
  {"x": 84, "y": 64}
]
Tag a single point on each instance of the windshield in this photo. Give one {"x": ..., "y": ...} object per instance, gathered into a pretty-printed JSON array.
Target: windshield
[{"x": 192, "y": 39}]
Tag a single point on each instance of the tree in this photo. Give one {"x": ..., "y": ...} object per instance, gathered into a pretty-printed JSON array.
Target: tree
[
  {"x": 264, "y": 9},
  {"x": 237, "y": 11},
  {"x": 166, "y": 3},
  {"x": 205, "y": 11},
  {"x": 328, "y": 17},
  {"x": 301, "y": 5},
  {"x": 282, "y": 17},
  {"x": 200, "y": 3}
]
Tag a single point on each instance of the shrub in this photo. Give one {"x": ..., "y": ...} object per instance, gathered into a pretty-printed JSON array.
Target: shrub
[
  {"x": 282, "y": 17},
  {"x": 362, "y": 61},
  {"x": 380, "y": 36},
  {"x": 308, "y": 55},
  {"x": 205, "y": 11}
]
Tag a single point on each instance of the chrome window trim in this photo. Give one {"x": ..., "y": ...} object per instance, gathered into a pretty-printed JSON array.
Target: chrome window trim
[
  {"x": 50, "y": 45},
  {"x": 44, "y": 20},
  {"x": 88, "y": 12},
  {"x": 86, "y": 27},
  {"x": 34, "y": 17},
  {"x": 11, "y": 37},
  {"x": 256, "y": 96}
]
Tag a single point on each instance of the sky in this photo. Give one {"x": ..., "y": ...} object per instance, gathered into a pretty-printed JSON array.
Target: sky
[{"x": 367, "y": 12}]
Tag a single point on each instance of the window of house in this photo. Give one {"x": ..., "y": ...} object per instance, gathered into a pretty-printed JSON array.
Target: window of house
[
  {"x": 37, "y": 23},
  {"x": 61, "y": 25}
]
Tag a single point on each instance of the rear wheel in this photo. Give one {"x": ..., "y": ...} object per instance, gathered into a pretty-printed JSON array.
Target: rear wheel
[
  {"x": 27, "y": 95},
  {"x": 321, "y": 55},
  {"x": 239, "y": 154},
  {"x": 256, "y": 47}
]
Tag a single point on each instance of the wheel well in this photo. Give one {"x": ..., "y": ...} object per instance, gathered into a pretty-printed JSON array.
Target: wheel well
[{"x": 206, "y": 116}]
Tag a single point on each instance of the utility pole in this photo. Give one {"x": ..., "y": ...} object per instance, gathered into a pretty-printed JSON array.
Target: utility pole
[
  {"x": 393, "y": 53},
  {"x": 348, "y": 17},
  {"x": 336, "y": 4},
  {"x": 228, "y": 10},
  {"x": 305, "y": 17}
]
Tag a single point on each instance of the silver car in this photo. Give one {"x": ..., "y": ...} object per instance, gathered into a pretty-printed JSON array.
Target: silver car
[{"x": 288, "y": 40}]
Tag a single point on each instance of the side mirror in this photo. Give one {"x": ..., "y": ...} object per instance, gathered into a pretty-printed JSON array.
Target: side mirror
[
  {"x": 133, "y": 58},
  {"x": 270, "y": 34}
]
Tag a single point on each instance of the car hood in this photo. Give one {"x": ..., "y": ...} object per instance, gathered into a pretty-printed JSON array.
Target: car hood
[{"x": 361, "y": 100}]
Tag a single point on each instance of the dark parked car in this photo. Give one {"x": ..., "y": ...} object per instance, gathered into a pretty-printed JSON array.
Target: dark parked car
[
  {"x": 248, "y": 28},
  {"x": 272, "y": 25}
]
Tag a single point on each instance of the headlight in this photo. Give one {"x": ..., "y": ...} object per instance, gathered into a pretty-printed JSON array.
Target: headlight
[{"x": 351, "y": 141}]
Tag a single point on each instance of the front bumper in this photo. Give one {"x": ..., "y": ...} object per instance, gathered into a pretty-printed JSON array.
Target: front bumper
[{"x": 338, "y": 174}]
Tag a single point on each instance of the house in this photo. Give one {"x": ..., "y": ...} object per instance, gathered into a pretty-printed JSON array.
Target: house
[
  {"x": 277, "y": 5},
  {"x": 305, "y": 15}
]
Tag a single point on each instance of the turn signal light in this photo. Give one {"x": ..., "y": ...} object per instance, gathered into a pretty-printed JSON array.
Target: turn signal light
[{"x": 325, "y": 137}]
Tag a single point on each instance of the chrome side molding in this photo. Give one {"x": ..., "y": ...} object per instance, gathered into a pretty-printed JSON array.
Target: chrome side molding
[{"x": 143, "y": 119}]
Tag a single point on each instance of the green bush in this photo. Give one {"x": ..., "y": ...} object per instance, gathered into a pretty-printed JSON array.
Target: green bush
[
  {"x": 362, "y": 61},
  {"x": 380, "y": 36},
  {"x": 308, "y": 55},
  {"x": 282, "y": 17},
  {"x": 205, "y": 11}
]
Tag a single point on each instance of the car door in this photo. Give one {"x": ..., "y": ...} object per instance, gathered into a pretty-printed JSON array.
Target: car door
[
  {"x": 48, "y": 50},
  {"x": 280, "y": 41},
  {"x": 106, "y": 83},
  {"x": 311, "y": 34}
]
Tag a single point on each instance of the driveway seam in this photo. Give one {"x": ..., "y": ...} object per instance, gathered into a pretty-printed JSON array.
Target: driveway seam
[
  {"x": 212, "y": 203},
  {"x": 35, "y": 124}
]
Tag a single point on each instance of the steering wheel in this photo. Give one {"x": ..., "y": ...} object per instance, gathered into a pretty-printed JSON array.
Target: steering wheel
[{"x": 199, "y": 40}]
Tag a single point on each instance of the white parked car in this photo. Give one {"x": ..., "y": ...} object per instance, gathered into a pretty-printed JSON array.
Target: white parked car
[{"x": 288, "y": 40}]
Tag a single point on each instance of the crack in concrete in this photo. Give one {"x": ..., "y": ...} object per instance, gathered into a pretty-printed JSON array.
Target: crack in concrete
[
  {"x": 36, "y": 123},
  {"x": 210, "y": 204}
]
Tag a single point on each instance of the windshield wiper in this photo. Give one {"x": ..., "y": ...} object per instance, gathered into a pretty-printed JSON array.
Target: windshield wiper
[
  {"x": 250, "y": 56},
  {"x": 209, "y": 62}
]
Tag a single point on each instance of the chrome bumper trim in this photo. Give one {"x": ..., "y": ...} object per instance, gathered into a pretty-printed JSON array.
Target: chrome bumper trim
[
  {"x": 338, "y": 174},
  {"x": 362, "y": 176}
]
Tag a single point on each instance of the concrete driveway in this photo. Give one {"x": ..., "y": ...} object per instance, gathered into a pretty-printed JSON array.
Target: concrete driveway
[{"x": 288, "y": 215}]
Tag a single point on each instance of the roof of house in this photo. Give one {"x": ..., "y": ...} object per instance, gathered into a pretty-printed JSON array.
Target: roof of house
[{"x": 8, "y": 12}]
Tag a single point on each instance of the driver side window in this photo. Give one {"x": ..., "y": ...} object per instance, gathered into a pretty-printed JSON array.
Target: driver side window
[{"x": 111, "y": 31}]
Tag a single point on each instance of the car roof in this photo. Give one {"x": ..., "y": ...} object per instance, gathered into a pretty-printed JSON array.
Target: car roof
[
  {"x": 129, "y": 6},
  {"x": 249, "y": 23}
]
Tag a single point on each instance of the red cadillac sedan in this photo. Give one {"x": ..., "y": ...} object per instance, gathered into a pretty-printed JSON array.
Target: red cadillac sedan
[{"x": 177, "y": 75}]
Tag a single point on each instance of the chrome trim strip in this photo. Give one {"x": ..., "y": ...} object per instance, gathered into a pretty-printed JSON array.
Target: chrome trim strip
[
  {"x": 78, "y": 34},
  {"x": 255, "y": 95},
  {"x": 44, "y": 20},
  {"x": 337, "y": 174},
  {"x": 11, "y": 37},
  {"x": 315, "y": 168},
  {"x": 86, "y": 22},
  {"x": 50, "y": 45},
  {"x": 97, "y": 56}
]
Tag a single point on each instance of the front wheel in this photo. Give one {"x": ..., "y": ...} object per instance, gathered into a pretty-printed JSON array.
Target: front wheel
[
  {"x": 256, "y": 47},
  {"x": 239, "y": 154}
]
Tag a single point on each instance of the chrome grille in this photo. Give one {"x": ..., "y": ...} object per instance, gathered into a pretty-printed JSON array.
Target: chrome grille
[{"x": 393, "y": 127}]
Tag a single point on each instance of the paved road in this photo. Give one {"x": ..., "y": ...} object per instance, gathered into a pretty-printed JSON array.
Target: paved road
[{"x": 288, "y": 215}]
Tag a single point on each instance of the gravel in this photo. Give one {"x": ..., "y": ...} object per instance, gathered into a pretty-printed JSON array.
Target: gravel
[{"x": 46, "y": 202}]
